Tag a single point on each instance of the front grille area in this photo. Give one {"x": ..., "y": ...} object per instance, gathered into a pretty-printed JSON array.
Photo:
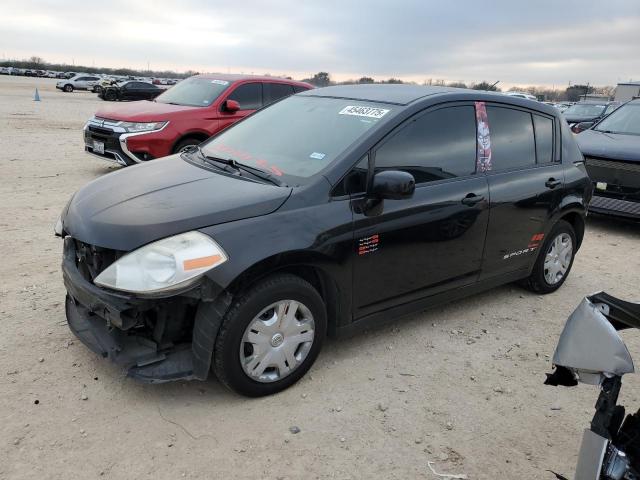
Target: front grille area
[{"x": 92, "y": 260}]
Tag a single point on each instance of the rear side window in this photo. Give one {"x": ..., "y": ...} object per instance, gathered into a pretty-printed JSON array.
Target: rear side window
[
  {"x": 512, "y": 140},
  {"x": 544, "y": 138},
  {"x": 249, "y": 96},
  {"x": 438, "y": 145},
  {"x": 298, "y": 89},
  {"x": 276, "y": 91}
]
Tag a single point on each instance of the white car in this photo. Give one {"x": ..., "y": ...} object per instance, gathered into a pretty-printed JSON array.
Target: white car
[
  {"x": 79, "y": 82},
  {"x": 526, "y": 95}
]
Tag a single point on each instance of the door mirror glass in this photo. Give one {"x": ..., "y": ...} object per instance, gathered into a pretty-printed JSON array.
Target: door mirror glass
[
  {"x": 231, "y": 106},
  {"x": 393, "y": 185}
]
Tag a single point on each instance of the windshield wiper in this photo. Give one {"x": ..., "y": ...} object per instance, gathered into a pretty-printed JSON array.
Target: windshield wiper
[{"x": 237, "y": 166}]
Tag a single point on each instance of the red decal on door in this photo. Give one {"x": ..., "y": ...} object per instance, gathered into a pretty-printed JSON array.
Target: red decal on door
[
  {"x": 483, "y": 155},
  {"x": 368, "y": 244}
]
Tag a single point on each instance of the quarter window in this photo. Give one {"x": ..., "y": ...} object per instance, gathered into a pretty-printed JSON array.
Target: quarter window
[
  {"x": 512, "y": 140},
  {"x": 249, "y": 96},
  {"x": 435, "y": 146},
  {"x": 544, "y": 138}
]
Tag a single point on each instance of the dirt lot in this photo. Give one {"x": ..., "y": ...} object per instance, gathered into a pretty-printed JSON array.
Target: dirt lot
[{"x": 460, "y": 386}]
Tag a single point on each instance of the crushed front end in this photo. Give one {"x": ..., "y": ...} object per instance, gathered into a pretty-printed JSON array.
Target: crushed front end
[{"x": 153, "y": 339}]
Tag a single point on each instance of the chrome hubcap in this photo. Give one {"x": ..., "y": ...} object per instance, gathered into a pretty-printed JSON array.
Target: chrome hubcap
[
  {"x": 277, "y": 341},
  {"x": 558, "y": 259}
]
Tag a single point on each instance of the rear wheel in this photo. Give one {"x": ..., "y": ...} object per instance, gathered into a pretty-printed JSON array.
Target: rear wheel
[
  {"x": 555, "y": 259},
  {"x": 68, "y": 88},
  {"x": 270, "y": 337}
]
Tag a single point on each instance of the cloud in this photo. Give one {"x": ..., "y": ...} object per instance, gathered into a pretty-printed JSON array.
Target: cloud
[{"x": 544, "y": 42}]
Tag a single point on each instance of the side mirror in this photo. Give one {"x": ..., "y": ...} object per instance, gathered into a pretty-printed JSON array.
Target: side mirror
[
  {"x": 393, "y": 185},
  {"x": 231, "y": 106}
]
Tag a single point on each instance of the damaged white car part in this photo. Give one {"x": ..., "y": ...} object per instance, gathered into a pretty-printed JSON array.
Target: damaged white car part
[
  {"x": 591, "y": 351},
  {"x": 167, "y": 264}
]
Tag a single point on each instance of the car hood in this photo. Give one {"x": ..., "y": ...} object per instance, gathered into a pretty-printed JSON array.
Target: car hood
[
  {"x": 142, "y": 111},
  {"x": 131, "y": 207},
  {"x": 609, "y": 145}
]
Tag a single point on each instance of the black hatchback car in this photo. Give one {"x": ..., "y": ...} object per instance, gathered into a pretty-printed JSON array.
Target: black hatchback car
[{"x": 320, "y": 214}]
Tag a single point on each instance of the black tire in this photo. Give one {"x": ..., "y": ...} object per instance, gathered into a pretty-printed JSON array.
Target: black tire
[
  {"x": 187, "y": 142},
  {"x": 537, "y": 282},
  {"x": 226, "y": 359},
  {"x": 68, "y": 88},
  {"x": 110, "y": 95}
]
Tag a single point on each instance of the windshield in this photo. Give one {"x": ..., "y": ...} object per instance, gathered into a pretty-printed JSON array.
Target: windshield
[
  {"x": 584, "y": 110},
  {"x": 194, "y": 92},
  {"x": 297, "y": 137},
  {"x": 625, "y": 119}
]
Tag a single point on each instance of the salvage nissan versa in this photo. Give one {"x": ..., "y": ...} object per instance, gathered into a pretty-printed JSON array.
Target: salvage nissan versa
[{"x": 325, "y": 212}]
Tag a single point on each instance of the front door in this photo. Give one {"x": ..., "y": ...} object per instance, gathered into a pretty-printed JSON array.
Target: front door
[
  {"x": 412, "y": 248},
  {"x": 249, "y": 96}
]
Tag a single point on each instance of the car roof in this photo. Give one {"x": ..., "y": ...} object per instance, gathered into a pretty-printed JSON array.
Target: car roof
[
  {"x": 382, "y": 93},
  {"x": 406, "y": 95},
  {"x": 235, "y": 77}
]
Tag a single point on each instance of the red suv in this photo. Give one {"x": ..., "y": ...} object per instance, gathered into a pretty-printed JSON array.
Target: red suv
[{"x": 186, "y": 114}]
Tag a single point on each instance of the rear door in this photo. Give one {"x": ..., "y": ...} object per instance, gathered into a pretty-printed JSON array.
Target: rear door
[
  {"x": 432, "y": 241},
  {"x": 525, "y": 183},
  {"x": 249, "y": 96}
]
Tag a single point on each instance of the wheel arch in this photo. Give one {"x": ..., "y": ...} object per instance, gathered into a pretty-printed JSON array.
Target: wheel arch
[
  {"x": 316, "y": 271},
  {"x": 197, "y": 135},
  {"x": 576, "y": 220}
]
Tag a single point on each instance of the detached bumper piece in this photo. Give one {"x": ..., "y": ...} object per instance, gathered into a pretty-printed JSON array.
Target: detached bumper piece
[
  {"x": 615, "y": 206},
  {"x": 154, "y": 340}
]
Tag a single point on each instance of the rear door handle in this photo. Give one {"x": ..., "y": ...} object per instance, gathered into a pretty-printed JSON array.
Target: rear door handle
[
  {"x": 552, "y": 183},
  {"x": 471, "y": 199}
]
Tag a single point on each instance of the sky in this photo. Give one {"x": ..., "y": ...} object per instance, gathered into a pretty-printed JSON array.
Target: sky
[{"x": 520, "y": 43}]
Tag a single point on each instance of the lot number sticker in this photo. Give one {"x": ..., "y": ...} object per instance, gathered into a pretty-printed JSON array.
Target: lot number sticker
[{"x": 371, "y": 112}]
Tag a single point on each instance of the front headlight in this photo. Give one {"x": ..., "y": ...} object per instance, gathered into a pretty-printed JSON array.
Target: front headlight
[
  {"x": 165, "y": 265},
  {"x": 134, "y": 127}
]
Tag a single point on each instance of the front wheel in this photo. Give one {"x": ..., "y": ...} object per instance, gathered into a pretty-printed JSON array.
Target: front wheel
[
  {"x": 270, "y": 337},
  {"x": 555, "y": 259},
  {"x": 68, "y": 88}
]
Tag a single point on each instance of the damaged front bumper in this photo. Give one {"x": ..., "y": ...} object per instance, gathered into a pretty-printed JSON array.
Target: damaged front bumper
[{"x": 154, "y": 339}]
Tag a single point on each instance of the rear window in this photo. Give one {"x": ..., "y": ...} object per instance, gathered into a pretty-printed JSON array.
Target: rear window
[
  {"x": 512, "y": 140},
  {"x": 276, "y": 91}
]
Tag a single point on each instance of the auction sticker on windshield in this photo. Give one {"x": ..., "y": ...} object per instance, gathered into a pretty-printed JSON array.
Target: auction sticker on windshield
[
  {"x": 371, "y": 112},
  {"x": 220, "y": 82}
]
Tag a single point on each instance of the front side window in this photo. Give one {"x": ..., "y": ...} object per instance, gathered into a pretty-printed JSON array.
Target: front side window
[
  {"x": 512, "y": 140},
  {"x": 249, "y": 96},
  {"x": 299, "y": 136},
  {"x": 435, "y": 146},
  {"x": 194, "y": 92}
]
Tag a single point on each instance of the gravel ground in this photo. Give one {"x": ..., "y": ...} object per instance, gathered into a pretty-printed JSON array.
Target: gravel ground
[{"x": 460, "y": 386}]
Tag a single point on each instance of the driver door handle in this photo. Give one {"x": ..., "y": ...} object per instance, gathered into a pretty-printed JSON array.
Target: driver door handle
[
  {"x": 471, "y": 199},
  {"x": 552, "y": 183}
]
